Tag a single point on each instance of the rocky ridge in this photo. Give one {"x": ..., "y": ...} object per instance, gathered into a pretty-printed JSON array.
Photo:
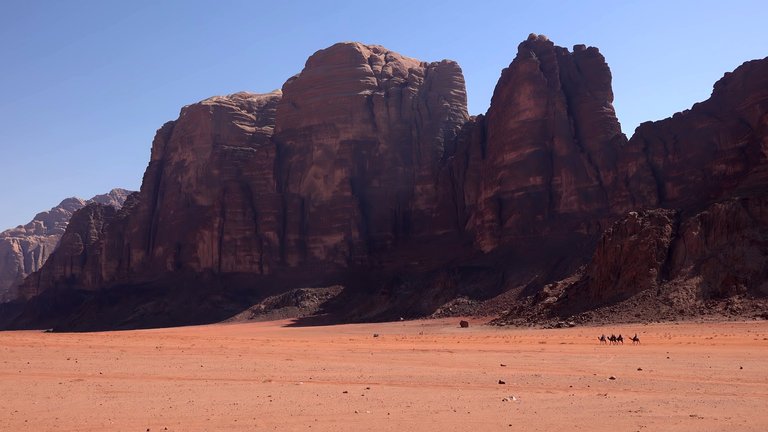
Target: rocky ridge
[
  {"x": 366, "y": 171},
  {"x": 24, "y": 249}
]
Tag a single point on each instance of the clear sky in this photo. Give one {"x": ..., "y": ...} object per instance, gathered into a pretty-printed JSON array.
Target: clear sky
[{"x": 85, "y": 84}]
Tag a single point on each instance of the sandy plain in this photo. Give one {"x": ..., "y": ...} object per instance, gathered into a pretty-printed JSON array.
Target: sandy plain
[{"x": 416, "y": 376}]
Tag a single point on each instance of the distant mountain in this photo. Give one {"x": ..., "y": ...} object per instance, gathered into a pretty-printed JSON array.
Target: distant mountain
[{"x": 24, "y": 249}]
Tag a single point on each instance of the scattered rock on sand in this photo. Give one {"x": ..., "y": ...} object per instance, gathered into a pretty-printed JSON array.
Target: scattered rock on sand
[
  {"x": 501, "y": 382},
  {"x": 564, "y": 324},
  {"x": 611, "y": 377},
  {"x": 463, "y": 324}
]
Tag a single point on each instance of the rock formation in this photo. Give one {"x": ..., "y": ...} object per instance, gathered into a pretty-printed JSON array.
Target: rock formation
[
  {"x": 677, "y": 261},
  {"x": 362, "y": 132},
  {"x": 712, "y": 151},
  {"x": 77, "y": 256},
  {"x": 707, "y": 168},
  {"x": 358, "y": 139},
  {"x": 548, "y": 146},
  {"x": 630, "y": 258},
  {"x": 366, "y": 171},
  {"x": 722, "y": 251},
  {"x": 208, "y": 198},
  {"x": 24, "y": 249}
]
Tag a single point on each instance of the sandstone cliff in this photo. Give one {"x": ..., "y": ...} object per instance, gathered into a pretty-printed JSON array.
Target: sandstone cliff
[
  {"x": 664, "y": 260},
  {"x": 712, "y": 151},
  {"x": 345, "y": 161},
  {"x": 77, "y": 256},
  {"x": 547, "y": 148},
  {"x": 24, "y": 249},
  {"x": 706, "y": 167},
  {"x": 362, "y": 132},
  {"x": 366, "y": 171}
]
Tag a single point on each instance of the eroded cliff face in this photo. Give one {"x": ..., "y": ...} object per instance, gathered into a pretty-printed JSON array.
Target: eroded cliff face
[
  {"x": 208, "y": 200},
  {"x": 683, "y": 261},
  {"x": 548, "y": 146},
  {"x": 24, "y": 249},
  {"x": 366, "y": 170},
  {"x": 715, "y": 149},
  {"x": 362, "y": 132},
  {"x": 78, "y": 255},
  {"x": 345, "y": 161},
  {"x": 723, "y": 251},
  {"x": 707, "y": 170},
  {"x": 631, "y": 257}
]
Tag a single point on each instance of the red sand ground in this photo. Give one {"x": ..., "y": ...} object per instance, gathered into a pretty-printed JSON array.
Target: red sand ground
[{"x": 417, "y": 376}]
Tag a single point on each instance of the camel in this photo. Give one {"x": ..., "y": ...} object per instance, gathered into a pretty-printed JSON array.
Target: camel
[
  {"x": 603, "y": 340},
  {"x": 613, "y": 339},
  {"x": 635, "y": 339},
  {"x": 619, "y": 340}
]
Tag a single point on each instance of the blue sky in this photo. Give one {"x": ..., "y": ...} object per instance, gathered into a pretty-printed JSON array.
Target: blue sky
[{"x": 85, "y": 84}]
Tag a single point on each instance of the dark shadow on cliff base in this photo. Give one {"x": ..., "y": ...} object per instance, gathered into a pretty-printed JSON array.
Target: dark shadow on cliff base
[
  {"x": 374, "y": 293},
  {"x": 9, "y": 312},
  {"x": 383, "y": 294},
  {"x": 170, "y": 301}
]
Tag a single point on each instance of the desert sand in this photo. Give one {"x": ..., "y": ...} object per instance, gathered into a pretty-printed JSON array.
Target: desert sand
[{"x": 415, "y": 376}]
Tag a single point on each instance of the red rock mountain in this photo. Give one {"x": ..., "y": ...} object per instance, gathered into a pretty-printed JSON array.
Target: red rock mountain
[
  {"x": 24, "y": 249},
  {"x": 707, "y": 170},
  {"x": 547, "y": 148},
  {"x": 343, "y": 161},
  {"x": 361, "y": 134},
  {"x": 366, "y": 171}
]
